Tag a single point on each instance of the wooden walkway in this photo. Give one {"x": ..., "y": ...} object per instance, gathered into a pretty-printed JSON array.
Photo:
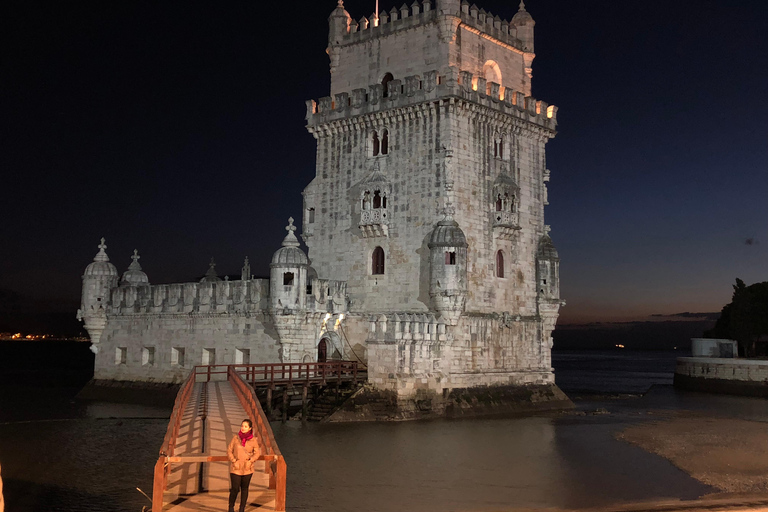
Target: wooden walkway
[{"x": 211, "y": 418}]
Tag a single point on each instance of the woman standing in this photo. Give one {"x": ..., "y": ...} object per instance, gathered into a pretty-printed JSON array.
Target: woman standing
[{"x": 243, "y": 452}]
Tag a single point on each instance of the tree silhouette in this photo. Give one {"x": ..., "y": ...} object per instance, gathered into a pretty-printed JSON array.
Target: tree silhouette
[{"x": 745, "y": 318}]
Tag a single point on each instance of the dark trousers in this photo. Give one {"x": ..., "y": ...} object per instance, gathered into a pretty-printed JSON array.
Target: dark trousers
[{"x": 240, "y": 484}]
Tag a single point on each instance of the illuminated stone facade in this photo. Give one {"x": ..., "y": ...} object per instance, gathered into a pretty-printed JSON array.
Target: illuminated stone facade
[{"x": 430, "y": 259}]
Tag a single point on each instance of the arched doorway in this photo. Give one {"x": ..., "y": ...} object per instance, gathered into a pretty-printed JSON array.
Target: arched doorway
[{"x": 322, "y": 351}]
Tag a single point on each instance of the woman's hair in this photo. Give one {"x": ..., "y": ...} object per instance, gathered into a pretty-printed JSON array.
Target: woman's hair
[{"x": 249, "y": 422}]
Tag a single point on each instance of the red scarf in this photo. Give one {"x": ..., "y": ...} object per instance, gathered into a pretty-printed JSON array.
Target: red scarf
[{"x": 245, "y": 437}]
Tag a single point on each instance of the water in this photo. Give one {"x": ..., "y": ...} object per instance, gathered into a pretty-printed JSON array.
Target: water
[{"x": 64, "y": 455}]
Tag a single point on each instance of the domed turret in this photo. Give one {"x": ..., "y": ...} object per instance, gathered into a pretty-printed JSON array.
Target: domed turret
[
  {"x": 524, "y": 24},
  {"x": 547, "y": 269},
  {"x": 98, "y": 280},
  {"x": 288, "y": 274},
  {"x": 338, "y": 24},
  {"x": 134, "y": 275},
  {"x": 210, "y": 275},
  {"x": 448, "y": 269}
]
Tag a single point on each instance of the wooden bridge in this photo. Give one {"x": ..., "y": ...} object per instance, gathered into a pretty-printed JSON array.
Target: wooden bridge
[{"x": 192, "y": 471}]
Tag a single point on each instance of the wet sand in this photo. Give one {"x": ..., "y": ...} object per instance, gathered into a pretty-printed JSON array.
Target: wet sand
[{"x": 730, "y": 454}]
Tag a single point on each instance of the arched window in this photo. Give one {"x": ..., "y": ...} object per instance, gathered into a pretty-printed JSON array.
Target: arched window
[
  {"x": 377, "y": 261},
  {"x": 376, "y": 199},
  {"x": 492, "y": 72},
  {"x": 288, "y": 279},
  {"x": 450, "y": 257},
  {"x": 375, "y": 141},
  {"x": 499, "y": 264},
  {"x": 311, "y": 216},
  {"x": 499, "y": 206},
  {"x": 385, "y": 82},
  {"x": 385, "y": 142}
]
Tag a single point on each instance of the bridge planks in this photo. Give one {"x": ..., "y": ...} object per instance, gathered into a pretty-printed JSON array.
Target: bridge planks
[{"x": 223, "y": 415}]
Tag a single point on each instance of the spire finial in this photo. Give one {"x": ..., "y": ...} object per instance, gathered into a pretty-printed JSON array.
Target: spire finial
[
  {"x": 340, "y": 3},
  {"x": 135, "y": 263},
  {"x": 522, "y": 5},
  {"x": 290, "y": 239},
  {"x": 547, "y": 229},
  {"x": 101, "y": 255}
]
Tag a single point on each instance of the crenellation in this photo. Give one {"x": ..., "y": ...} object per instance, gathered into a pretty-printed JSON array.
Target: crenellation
[{"x": 434, "y": 86}]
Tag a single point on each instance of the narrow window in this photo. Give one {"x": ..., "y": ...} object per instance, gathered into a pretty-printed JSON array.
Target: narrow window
[
  {"x": 121, "y": 355},
  {"x": 385, "y": 142},
  {"x": 148, "y": 356},
  {"x": 309, "y": 288},
  {"x": 177, "y": 356},
  {"x": 450, "y": 258},
  {"x": 501, "y": 148},
  {"x": 377, "y": 261},
  {"x": 288, "y": 279},
  {"x": 385, "y": 82},
  {"x": 242, "y": 356},
  {"x": 311, "y": 216},
  {"x": 375, "y": 143},
  {"x": 376, "y": 199},
  {"x": 498, "y": 203},
  {"x": 384, "y": 202},
  {"x": 367, "y": 200},
  {"x": 495, "y": 148},
  {"x": 499, "y": 264},
  {"x": 209, "y": 356},
  {"x": 512, "y": 204}
]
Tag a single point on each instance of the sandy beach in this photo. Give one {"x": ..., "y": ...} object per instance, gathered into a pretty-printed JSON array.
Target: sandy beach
[{"x": 727, "y": 453}]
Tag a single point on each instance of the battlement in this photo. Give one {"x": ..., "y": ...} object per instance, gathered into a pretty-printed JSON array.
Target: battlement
[
  {"x": 431, "y": 87},
  {"x": 423, "y": 13},
  {"x": 406, "y": 327},
  {"x": 221, "y": 297}
]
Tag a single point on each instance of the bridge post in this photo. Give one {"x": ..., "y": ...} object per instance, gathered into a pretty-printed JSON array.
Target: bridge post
[
  {"x": 269, "y": 401},
  {"x": 285, "y": 404},
  {"x": 304, "y": 402}
]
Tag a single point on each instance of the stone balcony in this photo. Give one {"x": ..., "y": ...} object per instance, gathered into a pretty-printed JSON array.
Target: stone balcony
[{"x": 374, "y": 222}]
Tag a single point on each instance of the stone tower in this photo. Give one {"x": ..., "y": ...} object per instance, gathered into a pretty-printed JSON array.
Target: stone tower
[{"x": 430, "y": 111}]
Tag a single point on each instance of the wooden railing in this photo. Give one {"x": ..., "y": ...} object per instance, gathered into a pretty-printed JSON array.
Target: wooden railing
[
  {"x": 274, "y": 463},
  {"x": 278, "y": 374},
  {"x": 162, "y": 466}
]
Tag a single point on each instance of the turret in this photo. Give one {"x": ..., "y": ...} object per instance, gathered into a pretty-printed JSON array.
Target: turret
[
  {"x": 338, "y": 27},
  {"x": 288, "y": 275},
  {"x": 448, "y": 269},
  {"x": 98, "y": 279},
  {"x": 547, "y": 270},
  {"x": 338, "y": 24},
  {"x": 134, "y": 276},
  {"x": 524, "y": 23}
]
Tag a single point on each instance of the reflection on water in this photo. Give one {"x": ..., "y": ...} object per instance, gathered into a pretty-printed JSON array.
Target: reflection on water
[{"x": 489, "y": 464}]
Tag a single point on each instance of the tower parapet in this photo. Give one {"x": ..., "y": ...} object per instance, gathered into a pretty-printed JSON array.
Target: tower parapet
[
  {"x": 480, "y": 21},
  {"x": 455, "y": 87}
]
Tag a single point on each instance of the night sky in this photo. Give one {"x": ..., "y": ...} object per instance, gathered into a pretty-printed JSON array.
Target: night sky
[{"x": 177, "y": 128}]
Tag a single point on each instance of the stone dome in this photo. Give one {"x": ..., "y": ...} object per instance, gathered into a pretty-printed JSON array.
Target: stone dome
[
  {"x": 447, "y": 233},
  {"x": 134, "y": 275},
  {"x": 290, "y": 254},
  {"x": 522, "y": 16},
  {"x": 101, "y": 265},
  {"x": 547, "y": 250}
]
